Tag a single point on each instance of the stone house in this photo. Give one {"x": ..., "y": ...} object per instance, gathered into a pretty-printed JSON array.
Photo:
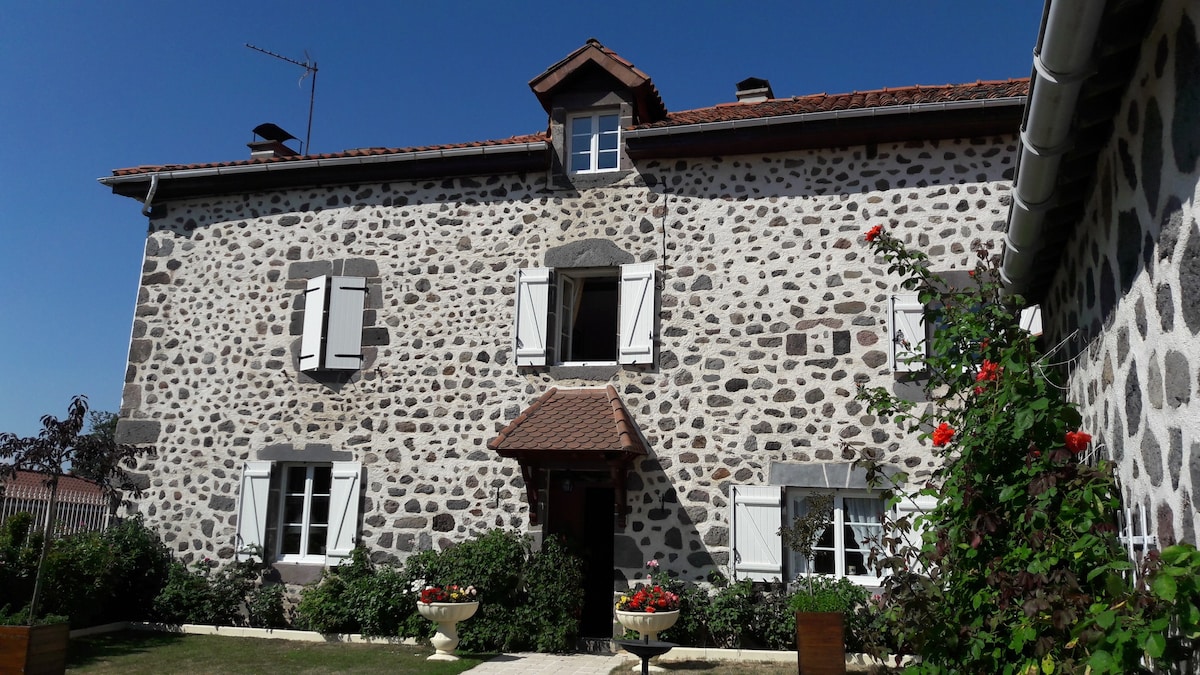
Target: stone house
[
  {"x": 1103, "y": 233},
  {"x": 640, "y": 330}
]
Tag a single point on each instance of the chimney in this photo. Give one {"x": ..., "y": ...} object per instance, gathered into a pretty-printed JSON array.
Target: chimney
[
  {"x": 270, "y": 142},
  {"x": 754, "y": 90}
]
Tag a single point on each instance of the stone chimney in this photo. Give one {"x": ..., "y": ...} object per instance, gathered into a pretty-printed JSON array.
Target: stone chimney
[
  {"x": 754, "y": 90},
  {"x": 270, "y": 142}
]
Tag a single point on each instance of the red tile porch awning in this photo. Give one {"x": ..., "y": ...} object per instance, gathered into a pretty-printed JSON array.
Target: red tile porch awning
[{"x": 568, "y": 426}]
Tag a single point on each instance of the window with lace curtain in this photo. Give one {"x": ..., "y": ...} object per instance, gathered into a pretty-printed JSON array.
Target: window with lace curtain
[{"x": 844, "y": 548}]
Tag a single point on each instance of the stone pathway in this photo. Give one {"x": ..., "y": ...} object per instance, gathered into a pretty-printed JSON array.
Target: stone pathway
[{"x": 558, "y": 664}]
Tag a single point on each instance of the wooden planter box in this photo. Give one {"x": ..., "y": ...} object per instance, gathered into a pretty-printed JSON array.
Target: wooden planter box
[
  {"x": 820, "y": 643},
  {"x": 34, "y": 650}
]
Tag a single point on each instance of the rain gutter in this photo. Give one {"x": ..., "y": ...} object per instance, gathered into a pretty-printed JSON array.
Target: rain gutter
[{"x": 1062, "y": 61}]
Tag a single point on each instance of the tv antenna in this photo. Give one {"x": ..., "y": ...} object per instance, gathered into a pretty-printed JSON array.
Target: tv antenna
[{"x": 310, "y": 68}]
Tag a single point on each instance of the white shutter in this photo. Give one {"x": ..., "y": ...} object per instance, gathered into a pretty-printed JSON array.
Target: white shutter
[
  {"x": 1031, "y": 320},
  {"x": 252, "y": 506},
  {"x": 908, "y": 325},
  {"x": 637, "y": 314},
  {"x": 533, "y": 304},
  {"x": 343, "y": 512},
  {"x": 314, "y": 322},
  {"x": 915, "y": 506},
  {"x": 343, "y": 334},
  {"x": 757, "y": 547}
]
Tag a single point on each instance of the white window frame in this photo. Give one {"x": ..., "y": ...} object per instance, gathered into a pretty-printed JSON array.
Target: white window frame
[
  {"x": 256, "y": 498},
  {"x": 593, "y": 150},
  {"x": 306, "y": 523},
  {"x": 535, "y": 336},
  {"x": 796, "y": 496}
]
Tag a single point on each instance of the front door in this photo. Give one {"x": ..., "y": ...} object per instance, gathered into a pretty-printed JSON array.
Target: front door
[{"x": 580, "y": 511}]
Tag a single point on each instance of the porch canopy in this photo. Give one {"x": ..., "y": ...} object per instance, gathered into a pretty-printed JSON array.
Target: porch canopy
[{"x": 573, "y": 429}]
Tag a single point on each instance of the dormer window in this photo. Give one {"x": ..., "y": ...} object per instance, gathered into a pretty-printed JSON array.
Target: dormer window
[{"x": 594, "y": 142}]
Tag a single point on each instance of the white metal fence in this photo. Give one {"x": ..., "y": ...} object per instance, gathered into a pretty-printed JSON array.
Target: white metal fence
[{"x": 74, "y": 512}]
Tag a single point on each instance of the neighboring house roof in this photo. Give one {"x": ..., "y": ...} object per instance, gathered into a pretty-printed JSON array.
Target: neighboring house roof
[
  {"x": 569, "y": 422},
  {"x": 70, "y": 488}
]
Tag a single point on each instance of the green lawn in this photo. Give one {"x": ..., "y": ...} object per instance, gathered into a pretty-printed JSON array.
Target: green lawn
[{"x": 139, "y": 652}]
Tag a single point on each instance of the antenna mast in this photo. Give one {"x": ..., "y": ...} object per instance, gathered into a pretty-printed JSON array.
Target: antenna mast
[{"x": 310, "y": 68}]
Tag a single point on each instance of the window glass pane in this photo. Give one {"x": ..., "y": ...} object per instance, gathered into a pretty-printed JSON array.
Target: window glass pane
[
  {"x": 316, "y": 540},
  {"x": 608, "y": 142},
  {"x": 608, "y": 123},
  {"x": 607, "y": 160},
  {"x": 319, "y": 511},
  {"x": 296, "y": 476},
  {"x": 293, "y": 509},
  {"x": 581, "y": 126},
  {"x": 322, "y": 479},
  {"x": 581, "y": 162},
  {"x": 291, "y": 540},
  {"x": 823, "y": 562}
]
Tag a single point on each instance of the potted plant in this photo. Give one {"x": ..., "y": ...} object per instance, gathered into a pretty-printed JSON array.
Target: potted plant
[
  {"x": 33, "y": 647},
  {"x": 820, "y": 623},
  {"x": 648, "y": 609},
  {"x": 446, "y": 606}
]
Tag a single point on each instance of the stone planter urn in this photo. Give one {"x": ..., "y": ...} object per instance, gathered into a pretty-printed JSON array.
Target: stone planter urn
[
  {"x": 648, "y": 625},
  {"x": 446, "y": 615}
]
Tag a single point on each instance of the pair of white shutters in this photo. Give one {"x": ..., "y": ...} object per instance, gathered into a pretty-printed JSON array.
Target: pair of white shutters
[
  {"x": 636, "y": 319},
  {"x": 756, "y": 515},
  {"x": 254, "y": 500},
  {"x": 333, "y": 316}
]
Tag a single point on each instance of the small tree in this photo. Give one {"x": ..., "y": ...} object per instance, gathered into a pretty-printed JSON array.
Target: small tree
[
  {"x": 806, "y": 529},
  {"x": 59, "y": 444}
]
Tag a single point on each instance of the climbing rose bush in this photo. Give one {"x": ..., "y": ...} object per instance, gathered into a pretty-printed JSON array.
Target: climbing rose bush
[{"x": 1019, "y": 568}]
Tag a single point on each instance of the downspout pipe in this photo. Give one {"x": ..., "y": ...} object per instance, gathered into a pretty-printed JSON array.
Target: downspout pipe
[
  {"x": 148, "y": 203},
  {"x": 1061, "y": 62}
]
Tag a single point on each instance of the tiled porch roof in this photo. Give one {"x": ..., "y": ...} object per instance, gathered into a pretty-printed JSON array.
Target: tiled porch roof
[{"x": 572, "y": 420}]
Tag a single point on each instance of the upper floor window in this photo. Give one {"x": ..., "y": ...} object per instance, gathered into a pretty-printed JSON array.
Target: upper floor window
[
  {"x": 599, "y": 316},
  {"x": 594, "y": 142}
]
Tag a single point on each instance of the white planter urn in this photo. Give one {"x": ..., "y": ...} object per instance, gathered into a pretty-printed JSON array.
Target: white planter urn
[
  {"x": 446, "y": 615},
  {"x": 648, "y": 625}
]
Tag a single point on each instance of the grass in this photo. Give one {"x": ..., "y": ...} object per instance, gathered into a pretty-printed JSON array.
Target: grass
[{"x": 146, "y": 653}]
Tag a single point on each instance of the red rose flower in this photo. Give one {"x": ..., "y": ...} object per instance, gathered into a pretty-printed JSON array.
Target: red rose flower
[
  {"x": 942, "y": 435},
  {"x": 873, "y": 233},
  {"x": 988, "y": 372},
  {"x": 1077, "y": 441}
]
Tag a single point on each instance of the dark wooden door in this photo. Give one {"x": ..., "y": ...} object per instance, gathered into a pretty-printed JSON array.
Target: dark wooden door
[{"x": 583, "y": 518}]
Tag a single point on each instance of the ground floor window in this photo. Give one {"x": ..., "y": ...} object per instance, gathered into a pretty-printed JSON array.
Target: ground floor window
[
  {"x": 299, "y": 512},
  {"x": 844, "y": 548}
]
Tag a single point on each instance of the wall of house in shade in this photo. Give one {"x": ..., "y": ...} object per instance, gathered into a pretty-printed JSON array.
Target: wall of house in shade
[
  {"x": 771, "y": 314},
  {"x": 1131, "y": 283}
]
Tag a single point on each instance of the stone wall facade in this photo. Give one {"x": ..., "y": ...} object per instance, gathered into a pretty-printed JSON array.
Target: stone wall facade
[
  {"x": 771, "y": 315},
  {"x": 1130, "y": 283}
]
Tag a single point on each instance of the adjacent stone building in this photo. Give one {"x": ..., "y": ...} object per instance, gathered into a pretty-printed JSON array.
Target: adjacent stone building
[
  {"x": 1105, "y": 235},
  {"x": 641, "y": 330}
]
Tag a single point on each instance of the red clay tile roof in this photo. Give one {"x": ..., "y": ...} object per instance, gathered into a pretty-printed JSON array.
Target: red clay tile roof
[
  {"x": 878, "y": 98},
  {"x": 572, "y": 420},
  {"x": 359, "y": 152},
  {"x": 70, "y": 488},
  {"x": 725, "y": 112},
  {"x": 650, "y": 105}
]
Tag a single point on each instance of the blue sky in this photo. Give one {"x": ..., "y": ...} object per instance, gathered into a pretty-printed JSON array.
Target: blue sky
[{"x": 86, "y": 87}]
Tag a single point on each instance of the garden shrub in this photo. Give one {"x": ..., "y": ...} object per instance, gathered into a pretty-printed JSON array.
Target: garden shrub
[
  {"x": 206, "y": 593},
  {"x": 326, "y": 606},
  {"x": 825, "y": 594},
  {"x": 553, "y": 598},
  {"x": 139, "y": 570},
  {"x": 1021, "y": 569},
  {"x": 78, "y": 578}
]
